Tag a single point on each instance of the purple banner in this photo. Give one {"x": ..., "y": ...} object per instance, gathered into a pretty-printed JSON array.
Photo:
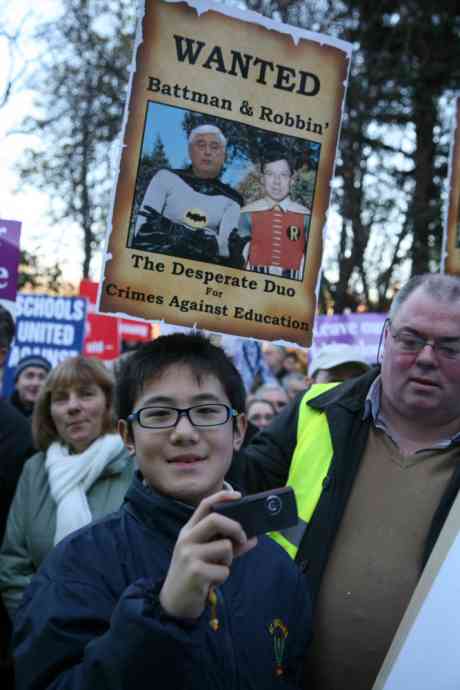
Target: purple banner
[
  {"x": 10, "y": 231},
  {"x": 360, "y": 330}
]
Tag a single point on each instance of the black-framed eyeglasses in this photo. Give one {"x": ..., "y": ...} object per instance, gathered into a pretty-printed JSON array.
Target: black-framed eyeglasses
[
  {"x": 412, "y": 342},
  {"x": 163, "y": 417}
]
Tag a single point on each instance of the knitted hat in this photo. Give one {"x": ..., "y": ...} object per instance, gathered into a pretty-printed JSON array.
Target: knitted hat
[{"x": 31, "y": 361}]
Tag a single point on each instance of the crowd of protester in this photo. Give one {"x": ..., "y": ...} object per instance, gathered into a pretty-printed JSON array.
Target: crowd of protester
[{"x": 104, "y": 554}]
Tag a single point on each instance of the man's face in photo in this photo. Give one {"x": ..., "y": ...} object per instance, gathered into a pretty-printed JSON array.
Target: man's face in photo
[
  {"x": 207, "y": 153},
  {"x": 277, "y": 179}
]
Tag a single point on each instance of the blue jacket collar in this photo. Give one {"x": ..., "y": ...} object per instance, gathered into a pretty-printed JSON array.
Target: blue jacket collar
[{"x": 156, "y": 511}]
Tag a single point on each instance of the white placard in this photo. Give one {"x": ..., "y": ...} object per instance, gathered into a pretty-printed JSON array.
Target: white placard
[{"x": 424, "y": 654}]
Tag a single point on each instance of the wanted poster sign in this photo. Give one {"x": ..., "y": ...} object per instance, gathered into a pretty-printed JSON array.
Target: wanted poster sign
[
  {"x": 451, "y": 254},
  {"x": 229, "y": 144}
]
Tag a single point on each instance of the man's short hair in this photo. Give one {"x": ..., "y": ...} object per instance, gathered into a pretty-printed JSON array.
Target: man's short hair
[
  {"x": 439, "y": 286},
  {"x": 207, "y": 129},
  {"x": 266, "y": 388},
  {"x": 275, "y": 156},
  {"x": 254, "y": 401},
  {"x": 193, "y": 350},
  {"x": 7, "y": 328}
]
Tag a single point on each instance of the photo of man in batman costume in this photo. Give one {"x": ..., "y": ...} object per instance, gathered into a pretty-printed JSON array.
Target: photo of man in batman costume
[{"x": 190, "y": 213}]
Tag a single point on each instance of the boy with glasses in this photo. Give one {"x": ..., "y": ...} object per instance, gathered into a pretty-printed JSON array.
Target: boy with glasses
[{"x": 166, "y": 591}]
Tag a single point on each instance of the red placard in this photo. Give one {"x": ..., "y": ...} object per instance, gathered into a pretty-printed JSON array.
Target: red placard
[
  {"x": 102, "y": 336},
  {"x": 105, "y": 334},
  {"x": 135, "y": 331}
]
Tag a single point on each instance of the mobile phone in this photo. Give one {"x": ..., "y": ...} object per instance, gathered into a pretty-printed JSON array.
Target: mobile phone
[{"x": 268, "y": 511}]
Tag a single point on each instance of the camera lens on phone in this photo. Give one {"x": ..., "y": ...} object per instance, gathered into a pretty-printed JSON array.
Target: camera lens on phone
[{"x": 273, "y": 504}]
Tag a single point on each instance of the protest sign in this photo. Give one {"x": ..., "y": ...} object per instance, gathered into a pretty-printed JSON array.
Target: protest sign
[
  {"x": 231, "y": 239},
  {"x": 102, "y": 337},
  {"x": 104, "y": 334},
  {"x": 424, "y": 652},
  {"x": 361, "y": 330},
  {"x": 49, "y": 326},
  {"x": 10, "y": 231},
  {"x": 132, "y": 331},
  {"x": 451, "y": 239}
]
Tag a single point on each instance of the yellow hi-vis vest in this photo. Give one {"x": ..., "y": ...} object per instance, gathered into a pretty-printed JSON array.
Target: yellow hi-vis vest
[{"x": 309, "y": 466}]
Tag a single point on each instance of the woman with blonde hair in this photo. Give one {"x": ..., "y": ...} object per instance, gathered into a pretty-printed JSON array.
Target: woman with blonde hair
[{"x": 81, "y": 472}]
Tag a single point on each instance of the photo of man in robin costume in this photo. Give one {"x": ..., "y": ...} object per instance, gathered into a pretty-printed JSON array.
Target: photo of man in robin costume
[
  {"x": 190, "y": 213},
  {"x": 272, "y": 231}
]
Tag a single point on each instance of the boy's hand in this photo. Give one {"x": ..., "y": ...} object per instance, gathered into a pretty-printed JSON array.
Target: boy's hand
[{"x": 202, "y": 557}]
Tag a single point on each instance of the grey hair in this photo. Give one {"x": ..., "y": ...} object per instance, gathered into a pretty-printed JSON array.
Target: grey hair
[
  {"x": 265, "y": 387},
  {"x": 442, "y": 287},
  {"x": 207, "y": 129}
]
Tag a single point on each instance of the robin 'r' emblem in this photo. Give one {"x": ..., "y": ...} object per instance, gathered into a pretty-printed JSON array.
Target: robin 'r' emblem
[{"x": 293, "y": 233}]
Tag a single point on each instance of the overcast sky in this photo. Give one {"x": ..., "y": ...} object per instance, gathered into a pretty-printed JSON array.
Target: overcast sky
[{"x": 53, "y": 243}]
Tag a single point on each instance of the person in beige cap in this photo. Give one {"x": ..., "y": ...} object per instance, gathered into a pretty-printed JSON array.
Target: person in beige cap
[{"x": 337, "y": 362}]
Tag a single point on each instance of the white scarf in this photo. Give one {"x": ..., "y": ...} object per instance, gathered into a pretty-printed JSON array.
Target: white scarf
[{"x": 71, "y": 476}]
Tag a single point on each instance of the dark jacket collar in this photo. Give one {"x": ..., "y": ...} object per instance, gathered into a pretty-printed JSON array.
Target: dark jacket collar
[
  {"x": 15, "y": 400},
  {"x": 350, "y": 394},
  {"x": 156, "y": 511},
  {"x": 208, "y": 185}
]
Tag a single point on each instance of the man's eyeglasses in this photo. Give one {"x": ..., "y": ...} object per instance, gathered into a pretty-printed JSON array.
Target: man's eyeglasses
[
  {"x": 205, "y": 415},
  {"x": 414, "y": 343}
]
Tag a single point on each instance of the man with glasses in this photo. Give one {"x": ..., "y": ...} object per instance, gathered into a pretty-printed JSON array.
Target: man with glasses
[
  {"x": 375, "y": 466},
  {"x": 167, "y": 592}
]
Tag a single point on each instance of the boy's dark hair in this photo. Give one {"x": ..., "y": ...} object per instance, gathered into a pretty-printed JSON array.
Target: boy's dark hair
[{"x": 152, "y": 359}]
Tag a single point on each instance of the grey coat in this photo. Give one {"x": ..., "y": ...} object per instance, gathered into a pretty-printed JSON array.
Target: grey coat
[{"x": 31, "y": 522}]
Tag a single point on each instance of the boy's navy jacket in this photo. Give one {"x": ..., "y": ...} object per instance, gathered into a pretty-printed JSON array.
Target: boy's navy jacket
[{"x": 91, "y": 617}]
